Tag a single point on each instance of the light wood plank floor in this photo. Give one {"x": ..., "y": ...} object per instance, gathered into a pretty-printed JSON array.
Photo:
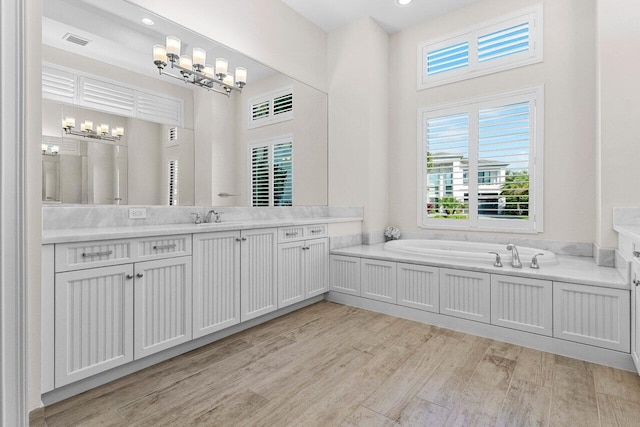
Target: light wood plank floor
[{"x": 330, "y": 364}]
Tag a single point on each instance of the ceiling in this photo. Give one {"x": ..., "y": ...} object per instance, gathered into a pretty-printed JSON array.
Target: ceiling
[{"x": 332, "y": 14}]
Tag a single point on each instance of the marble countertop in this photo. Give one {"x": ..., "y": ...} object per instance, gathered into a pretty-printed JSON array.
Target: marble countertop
[
  {"x": 572, "y": 269},
  {"x": 122, "y": 232},
  {"x": 631, "y": 231}
]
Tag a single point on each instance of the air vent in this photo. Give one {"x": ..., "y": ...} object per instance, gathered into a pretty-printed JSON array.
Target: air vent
[{"x": 75, "y": 39}]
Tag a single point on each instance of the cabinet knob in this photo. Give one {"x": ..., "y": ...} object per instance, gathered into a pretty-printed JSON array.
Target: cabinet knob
[
  {"x": 129, "y": 276},
  {"x": 238, "y": 239},
  {"x": 139, "y": 275},
  {"x": 635, "y": 281},
  {"x": 244, "y": 239}
]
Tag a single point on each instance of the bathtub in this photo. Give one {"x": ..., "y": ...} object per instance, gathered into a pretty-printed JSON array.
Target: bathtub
[{"x": 477, "y": 253}]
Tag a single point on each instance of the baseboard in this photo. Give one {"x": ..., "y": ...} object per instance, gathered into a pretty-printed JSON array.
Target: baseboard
[
  {"x": 558, "y": 346},
  {"x": 97, "y": 380}
]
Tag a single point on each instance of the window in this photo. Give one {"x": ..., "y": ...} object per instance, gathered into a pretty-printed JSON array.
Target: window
[
  {"x": 271, "y": 172},
  {"x": 173, "y": 183},
  {"x": 497, "y": 139},
  {"x": 272, "y": 107},
  {"x": 508, "y": 42}
]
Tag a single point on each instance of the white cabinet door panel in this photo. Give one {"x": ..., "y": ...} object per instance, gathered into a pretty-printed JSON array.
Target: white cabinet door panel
[
  {"x": 93, "y": 322},
  {"x": 592, "y": 315},
  {"x": 345, "y": 274},
  {"x": 521, "y": 303},
  {"x": 317, "y": 267},
  {"x": 162, "y": 305},
  {"x": 258, "y": 291},
  {"x": 291, "y": 257},
  {"x": 635, "y": 313},
  {"x": 465, "y": 294},
  {"x": 378, "y": 280},
  {"x": 419, "y": 287},
  {"x": 216, "y": 281}
]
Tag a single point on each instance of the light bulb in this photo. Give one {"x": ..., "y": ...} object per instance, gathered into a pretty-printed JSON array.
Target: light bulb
[
  {"x": 221, "y": 67},
  {"x": 199, "y": 56},
  {"x": 173, "y": 45}
]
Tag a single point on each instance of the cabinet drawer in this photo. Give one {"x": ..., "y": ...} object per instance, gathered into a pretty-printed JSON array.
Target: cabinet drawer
[
  {"x": 289, "y": 234},
  {"x": 318, "y": 230},
  {"x": 76, "y": 256},
  {"x": 163, "y": 247},
  {"x": 522, "y": 303},
  {"x": 592, "y": 315}
]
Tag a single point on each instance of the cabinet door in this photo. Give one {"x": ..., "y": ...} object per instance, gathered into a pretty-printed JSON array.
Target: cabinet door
[
  {"x": 635, "y": 313},
  {"x": 291, "y": 275},
  {"x": 258, "y": 289},
  {"x": 316, "y": 267},
  {"x": 521, "y": 303},
  {"x": 216, "y": 281},
  {"x": 345, "y": 274},
  {"x": 465, "y": 294},
  {"x": 592, "y": 315},
  {"x": 378, "y": 280},
  {"x": 162, "y": 305},
  {"x": 419, "y": 287},
  {"x": 93, "y": 321}
]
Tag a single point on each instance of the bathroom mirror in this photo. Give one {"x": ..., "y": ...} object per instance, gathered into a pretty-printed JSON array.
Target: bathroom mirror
[{"x": 181, "y": 144}]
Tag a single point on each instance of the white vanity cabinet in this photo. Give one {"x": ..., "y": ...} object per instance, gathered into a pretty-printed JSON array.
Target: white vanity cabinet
[
  {"x": 258, "y": 272},
  {"x": 93, "y": 322},
  {"x": 635, "y": 312},
  {"x": 344, "y": 276},
  {"x": 378, "y": 280},
  {"x": 216, "y": 281},
  {"x": 419, "y": 287},
  {"x": 162, "y": 305},
  {"x": 465, "y": 294},
  {"x": 592, "y": 315},
  {"x": 302, "y": 270}
]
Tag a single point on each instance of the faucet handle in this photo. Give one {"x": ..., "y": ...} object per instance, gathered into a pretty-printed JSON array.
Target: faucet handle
[
  {"x": 498, "y": 261},
  {"x": 196, "y": 217},
  {"x": 534, "y": 261}
]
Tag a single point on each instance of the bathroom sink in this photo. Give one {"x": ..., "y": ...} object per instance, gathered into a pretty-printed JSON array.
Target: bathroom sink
[{"x": 219, "y": 224}]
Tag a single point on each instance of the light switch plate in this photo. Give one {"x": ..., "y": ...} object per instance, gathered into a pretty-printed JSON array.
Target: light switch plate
[{"x": 137, "y": 213}]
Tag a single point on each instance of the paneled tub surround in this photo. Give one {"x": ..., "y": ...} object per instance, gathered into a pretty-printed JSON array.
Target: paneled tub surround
[
  {"x": 117, "y": 298},
  {"x": 574, "y": 308}
]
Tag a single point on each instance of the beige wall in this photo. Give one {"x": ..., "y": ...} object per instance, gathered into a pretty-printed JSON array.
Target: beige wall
[
  {"x": 568, "y": 74},
  {"x": 146, "y": 175},
  {"x": 358, "y": 120},
  {"x": 265, "y": 30},
  {"x": 618, "y": 44}
]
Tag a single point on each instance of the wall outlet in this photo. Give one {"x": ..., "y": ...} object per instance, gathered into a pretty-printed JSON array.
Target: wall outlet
[{"x": 137, "y": 213}]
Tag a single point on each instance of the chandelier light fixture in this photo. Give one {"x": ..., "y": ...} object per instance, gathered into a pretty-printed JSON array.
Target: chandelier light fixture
[
  {"x": 86, "y": 130},
  {"x": 195, "y": 70}
]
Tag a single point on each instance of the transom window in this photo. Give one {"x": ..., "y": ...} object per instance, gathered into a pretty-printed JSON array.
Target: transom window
[
  {"x": 498, "y": 140},
  {"x": 507, "y": 42},
  {"x": 272, "y": 107}
]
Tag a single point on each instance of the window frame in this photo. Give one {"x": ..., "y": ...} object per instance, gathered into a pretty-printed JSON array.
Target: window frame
[
  {"x": 271, "y": 117},
  {"x": 269, "y": 142},
  {"x": 533, "y": 15},
  {"x": 535, "y": 223}
]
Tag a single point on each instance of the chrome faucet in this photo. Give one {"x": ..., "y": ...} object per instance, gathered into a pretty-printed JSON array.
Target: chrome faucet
[
  {"x": 208, "y": 217},
  {"x": 196, "y": 217},
  {"x": 515, "y": 256}
]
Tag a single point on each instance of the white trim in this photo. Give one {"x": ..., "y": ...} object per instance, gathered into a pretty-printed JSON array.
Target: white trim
[
  {"x": 536, "y": 208},
  {"x": 534, "y": 15},
  {"x": 269, "y": 142},
  {"x": 13, "y": 234}
]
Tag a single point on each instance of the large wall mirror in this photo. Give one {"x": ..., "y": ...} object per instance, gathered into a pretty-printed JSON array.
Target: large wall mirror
[{"x": 134, "y": 136}]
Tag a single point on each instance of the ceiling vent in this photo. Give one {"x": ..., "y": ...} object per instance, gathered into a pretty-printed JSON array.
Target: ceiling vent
[{"x": 75, "y": 39}]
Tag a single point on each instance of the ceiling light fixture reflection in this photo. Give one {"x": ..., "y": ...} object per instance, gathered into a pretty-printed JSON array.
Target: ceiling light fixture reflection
[
  {"x": 403, "y": 2},
  {"x": 147, "y": 21}
]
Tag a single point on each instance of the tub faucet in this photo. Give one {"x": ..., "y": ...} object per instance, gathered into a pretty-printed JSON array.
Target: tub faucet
[
  {"x": 515, "y": 257},
  {"x": 208, "y": 217}
]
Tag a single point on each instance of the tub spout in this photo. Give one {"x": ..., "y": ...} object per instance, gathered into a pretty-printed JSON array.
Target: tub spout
[{"x": 515, "y": 257}]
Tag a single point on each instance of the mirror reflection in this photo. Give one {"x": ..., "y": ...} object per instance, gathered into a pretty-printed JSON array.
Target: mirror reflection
[{"x": 116, "y": 131}]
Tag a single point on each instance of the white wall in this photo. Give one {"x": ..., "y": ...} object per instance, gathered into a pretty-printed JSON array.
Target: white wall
[
  {"x": 145, "y": 141},
  {"x": 618, "y": 44},
  {"x": 568, "y": 74},
  {"x": 266, "y": 30},
  {"x": 358, "y": 120}
]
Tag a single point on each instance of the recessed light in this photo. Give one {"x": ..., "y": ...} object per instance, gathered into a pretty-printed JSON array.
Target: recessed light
[
  {"x": 403, "y": 2},
  {"x": 147, "y": 21}
]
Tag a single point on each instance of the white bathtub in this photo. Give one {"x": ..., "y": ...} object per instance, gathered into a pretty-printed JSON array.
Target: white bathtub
[{"x": 477, "y": 253}]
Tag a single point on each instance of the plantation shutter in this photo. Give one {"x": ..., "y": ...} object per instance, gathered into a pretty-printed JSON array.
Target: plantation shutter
[
  {"x": 106, "y": 97},
  {"x": 446, "y": 160},
  {"x": 283, "y": 174},
  {"x": 159, "y": 109},
  {"x": 504, "y": 147},
  {"x": 58, "y": 85},
  {"x": 260, "y": 111},
  {"x": 283, "y": 104},
  {"x": 260, "y": 179},
  {"x": 173, "y": 183},
  {"x": 505, "y": 42},
  {"x": 447, "y": 58}
]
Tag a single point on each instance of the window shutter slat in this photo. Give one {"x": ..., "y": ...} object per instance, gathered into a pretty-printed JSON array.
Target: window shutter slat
[
  {"x": 508, "y": 41},
  {"x": 448, "y": 58},
  {"x": 282, "y": 174}
]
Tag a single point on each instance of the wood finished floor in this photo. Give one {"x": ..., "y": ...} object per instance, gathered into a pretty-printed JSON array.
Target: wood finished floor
[{"x": 330, "y": 364}]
